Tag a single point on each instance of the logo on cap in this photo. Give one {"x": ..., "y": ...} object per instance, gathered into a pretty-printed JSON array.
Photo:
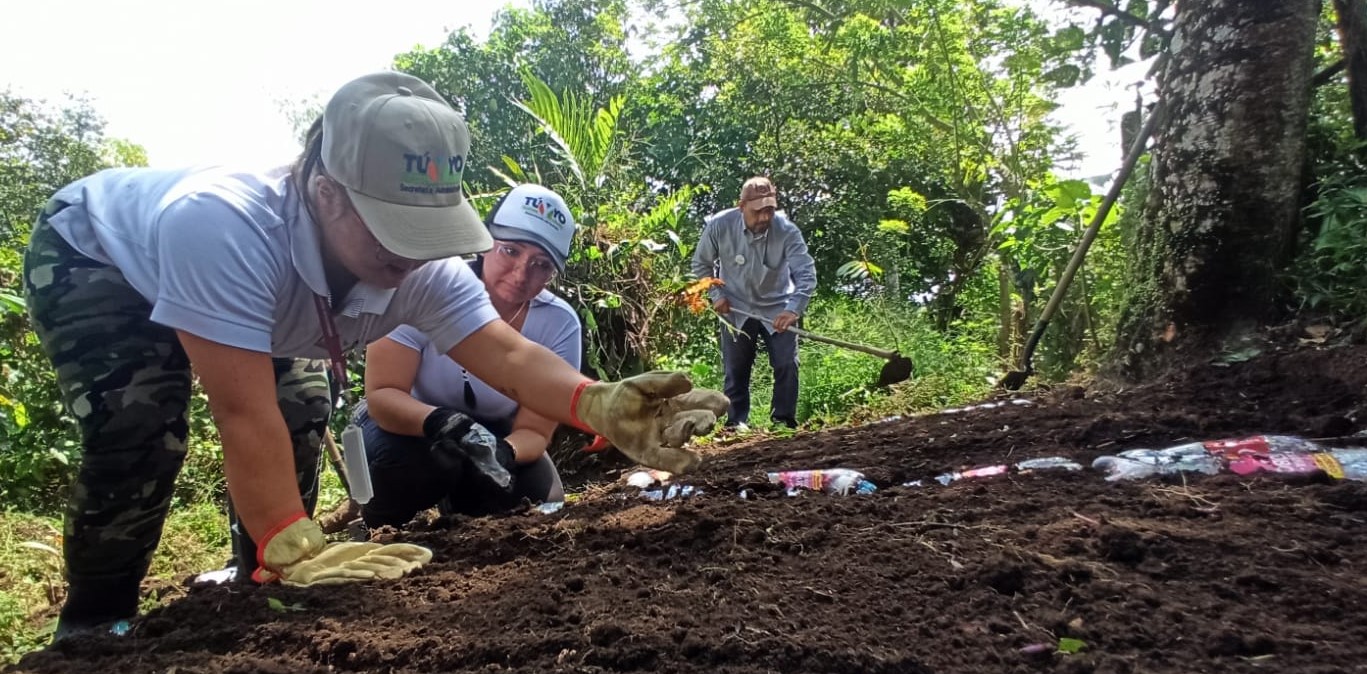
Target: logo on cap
[
  {"x": 432, "y": 175},
  {"x": 545, "y": 211}
]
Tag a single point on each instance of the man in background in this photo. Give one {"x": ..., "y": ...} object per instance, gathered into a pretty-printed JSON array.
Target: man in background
[{"x": 768, "y": 276}]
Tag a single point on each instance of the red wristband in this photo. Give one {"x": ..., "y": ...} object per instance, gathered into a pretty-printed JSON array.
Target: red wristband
[
  {"x": 279, "y": 527},
  {"x": 574, "y": 408}
]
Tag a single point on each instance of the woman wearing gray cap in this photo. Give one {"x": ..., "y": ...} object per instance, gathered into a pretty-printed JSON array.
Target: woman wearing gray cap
[
  {"x": 138, "y": 277},
  {"x": 413, "y": 388}
]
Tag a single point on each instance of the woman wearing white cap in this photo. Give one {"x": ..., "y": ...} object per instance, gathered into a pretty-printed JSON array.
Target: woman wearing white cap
[
  {"x": 137, "y": 277},
  {"x": 412, "y": 388}
]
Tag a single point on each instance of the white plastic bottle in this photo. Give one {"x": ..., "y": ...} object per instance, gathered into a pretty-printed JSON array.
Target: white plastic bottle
[{"x": 357, "y": 467}]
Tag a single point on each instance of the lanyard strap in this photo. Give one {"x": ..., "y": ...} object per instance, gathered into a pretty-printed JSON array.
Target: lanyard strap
[{"x": 333, "y": 341}]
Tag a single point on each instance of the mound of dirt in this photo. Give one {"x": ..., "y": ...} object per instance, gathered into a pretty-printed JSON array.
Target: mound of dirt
[{"x": 1207, "y": 573}]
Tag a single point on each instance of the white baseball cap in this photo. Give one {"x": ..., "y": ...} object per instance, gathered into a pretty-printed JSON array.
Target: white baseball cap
[
  {"x": 400, "y": 149},
  {"x": 537, "y": 215}
]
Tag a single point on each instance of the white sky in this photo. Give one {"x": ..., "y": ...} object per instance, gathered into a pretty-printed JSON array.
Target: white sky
[
  {"x": 198, "y": 82},
  {"x": 1093, "y": 112}
]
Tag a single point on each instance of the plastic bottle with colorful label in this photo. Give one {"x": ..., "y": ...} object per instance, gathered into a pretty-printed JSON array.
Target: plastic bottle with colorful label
[
  {"x": 982, "y": 471},
  {"x": 841, "y": 481}
]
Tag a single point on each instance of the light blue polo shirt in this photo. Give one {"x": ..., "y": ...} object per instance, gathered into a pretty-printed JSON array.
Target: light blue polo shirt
[
  {"x": 765, "y": 274},
  {"x": 440, "y": 381},
  {"x": 233, "y": 257}
]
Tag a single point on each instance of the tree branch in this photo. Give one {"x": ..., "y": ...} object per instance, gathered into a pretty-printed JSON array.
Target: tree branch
[
  {"x": 814, "y": 7},
  {"x": 1109, "y": 9},
  {"x": 1325, "y": 76}
]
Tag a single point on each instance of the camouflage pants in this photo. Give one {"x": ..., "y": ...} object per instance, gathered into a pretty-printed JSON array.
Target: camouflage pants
[{"x": 126, "y": 380}]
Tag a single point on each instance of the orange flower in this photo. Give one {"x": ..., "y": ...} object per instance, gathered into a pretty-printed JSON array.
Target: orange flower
[{"x": 695, "y": 296}]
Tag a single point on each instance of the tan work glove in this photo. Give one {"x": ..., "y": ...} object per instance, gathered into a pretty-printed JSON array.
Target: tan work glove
[
  {"x": 650, "y": 417},
  {"x": 296, "y": 553},
  {"x": 354, "y": 562}
]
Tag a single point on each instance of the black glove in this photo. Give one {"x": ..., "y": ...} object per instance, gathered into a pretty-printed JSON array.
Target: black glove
[{"x": 458, "y": 441}]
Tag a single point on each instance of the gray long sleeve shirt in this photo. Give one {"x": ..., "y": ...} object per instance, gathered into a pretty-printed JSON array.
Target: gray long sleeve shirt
[{"x": 765, "y": 274}]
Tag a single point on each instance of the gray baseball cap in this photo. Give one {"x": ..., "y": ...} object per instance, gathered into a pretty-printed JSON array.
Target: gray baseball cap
[{"x": 400, "y": 150}]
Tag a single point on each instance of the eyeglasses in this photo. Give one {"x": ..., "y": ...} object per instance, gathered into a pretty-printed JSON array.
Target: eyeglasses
[{"x": 538, "y": 267}]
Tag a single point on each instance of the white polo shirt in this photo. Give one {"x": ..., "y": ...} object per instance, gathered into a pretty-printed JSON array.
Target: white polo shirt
[
  {"x": 550, "y": 322},
  {"x": 234, "y": 257}
]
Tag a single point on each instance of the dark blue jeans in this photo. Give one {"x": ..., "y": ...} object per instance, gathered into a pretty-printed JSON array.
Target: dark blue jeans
[
  {"x": 407, "y": 480},
  {"x": 738, "y": 349}
]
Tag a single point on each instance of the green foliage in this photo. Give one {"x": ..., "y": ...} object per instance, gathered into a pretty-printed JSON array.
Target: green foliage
[
  {"x": 1038, "y": 234},
  {"x": 837, "y": 385},
  {"x": 280, "y": 606},
  {"x": 1117, "y": 29},
  {"x": 41, "y": 149},
  {"x": 201, "y": 476},
  {"x": 952, "y": 368},
  {"x": 570, "y": 45},
  {"x": 865, "y": 115},
  {"x": 195, "y": 539},
  {"x": 1330, "y": 274},
  {"x": 582, "y": 137},
  {"x": 31, "y": 582},
  {"x": 631, "y": 254},
  {"x": 31, "y": 574},
  {"x": 900, "y": 137}
]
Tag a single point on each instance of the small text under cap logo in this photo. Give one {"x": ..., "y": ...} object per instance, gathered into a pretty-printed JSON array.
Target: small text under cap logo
[
  {"x": 547, "y": 212},
  {"x": 429, "y": 174}
]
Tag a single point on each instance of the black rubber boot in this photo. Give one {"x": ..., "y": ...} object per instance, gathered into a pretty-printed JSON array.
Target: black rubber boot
[{"x": 96, "y": 605}]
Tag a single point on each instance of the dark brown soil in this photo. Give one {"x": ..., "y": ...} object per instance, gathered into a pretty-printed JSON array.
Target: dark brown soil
[{"x": 1210, "y": 574}]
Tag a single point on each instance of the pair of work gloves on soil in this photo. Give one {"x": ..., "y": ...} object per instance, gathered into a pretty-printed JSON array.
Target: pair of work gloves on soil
[{"x": 648, "y": 417}]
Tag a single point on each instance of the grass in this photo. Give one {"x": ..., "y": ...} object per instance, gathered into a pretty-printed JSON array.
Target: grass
[
  {"x": 195, "y": 539},
  {"x": 30, "y": 582},
  {"x": 835, "y": 385}
]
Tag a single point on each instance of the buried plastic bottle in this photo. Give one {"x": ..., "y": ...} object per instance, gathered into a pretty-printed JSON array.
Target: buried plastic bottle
[
  {"x": 1353, "y": 462},
  {"x": 1024, "y": 467},
  {"x": 1250, "y": 455},
  {"x": 841, "y": 481},
  {"x": 982, "y": 471},
  {"x": 669, "y": 493},
  {"x": 1274, "y": 454},
  {"x": 1136, "y": 463},
  {"x": 1048, "y": 463},
  {"x": 643, "y": 479}
]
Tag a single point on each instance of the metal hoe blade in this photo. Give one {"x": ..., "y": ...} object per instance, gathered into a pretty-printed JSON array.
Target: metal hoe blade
[{"x": 899, "y": 368}]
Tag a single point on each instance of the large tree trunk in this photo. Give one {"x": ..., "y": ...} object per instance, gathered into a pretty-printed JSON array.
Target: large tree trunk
[
  {"x": 1224, "y": 199},
  {"x": 1352, "y": 23}
]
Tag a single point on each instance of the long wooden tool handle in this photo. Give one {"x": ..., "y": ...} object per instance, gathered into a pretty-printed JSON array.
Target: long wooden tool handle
[
  {"x": 885, "y": 355},
  {"x": 335, "y": 458},
  {"x": 1126, "y": 167}
]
